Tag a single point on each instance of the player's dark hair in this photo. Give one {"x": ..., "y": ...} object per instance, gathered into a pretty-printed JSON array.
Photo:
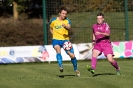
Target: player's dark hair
[
  {"x": 62, "y": 8},
  {"x": 100, "y": 14}
]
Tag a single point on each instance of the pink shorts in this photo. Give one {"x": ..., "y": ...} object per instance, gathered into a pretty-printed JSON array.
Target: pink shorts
[{"x": 104, "y": 47}]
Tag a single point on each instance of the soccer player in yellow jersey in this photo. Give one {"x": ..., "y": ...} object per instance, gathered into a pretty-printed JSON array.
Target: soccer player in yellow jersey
[{"x": 59, "y": 28}]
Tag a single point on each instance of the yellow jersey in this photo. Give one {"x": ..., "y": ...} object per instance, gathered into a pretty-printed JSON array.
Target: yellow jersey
[{"x": 59, "y": 32}]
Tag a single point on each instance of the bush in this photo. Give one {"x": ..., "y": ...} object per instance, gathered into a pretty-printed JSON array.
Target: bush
[{"x": 21, "y": 32}]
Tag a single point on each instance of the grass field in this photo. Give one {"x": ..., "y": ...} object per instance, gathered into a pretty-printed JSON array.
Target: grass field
[{"x": 44, "y": 75}]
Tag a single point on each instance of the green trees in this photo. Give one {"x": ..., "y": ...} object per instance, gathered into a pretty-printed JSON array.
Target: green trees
[
  {"x": 15, "y": 7},
  {"x": 92, "y": 5}
]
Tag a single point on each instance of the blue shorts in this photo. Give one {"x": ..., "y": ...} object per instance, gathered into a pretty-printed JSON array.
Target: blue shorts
[{"x": 60, "y": 43}]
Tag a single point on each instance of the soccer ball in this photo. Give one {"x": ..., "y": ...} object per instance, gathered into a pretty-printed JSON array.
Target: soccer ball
[{"x": 67, "y": 45}]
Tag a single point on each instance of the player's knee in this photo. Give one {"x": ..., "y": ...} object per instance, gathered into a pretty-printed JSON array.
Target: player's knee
[
  {"x": 58, "y": 50},
  {"x": 111, "y": 60},
  {"x": 72, "y": 55},
  {"x": 94, "y": 55}
]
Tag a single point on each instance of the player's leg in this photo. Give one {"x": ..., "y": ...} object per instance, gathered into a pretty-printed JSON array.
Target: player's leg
[
  {"x": 56, "y": 45},
  {"x": 95, "y": 54},
  {"x": 108, "y": 52},
  {"x": 73, "y": 60},
  {"x": 59, "y": 57},
  {"x": 113, "y": 63},
  {"x": 72, "y": 56}
]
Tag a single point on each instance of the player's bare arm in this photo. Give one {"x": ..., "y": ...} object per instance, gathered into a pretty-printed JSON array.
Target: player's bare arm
[
  {"x": 93, "y": 39},
  {"x": 68, "y": 27},
  {"x": 51, "y": 30}
]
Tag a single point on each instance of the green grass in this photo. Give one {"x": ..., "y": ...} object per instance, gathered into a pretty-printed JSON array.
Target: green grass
[{"x": 44, "y": 75}]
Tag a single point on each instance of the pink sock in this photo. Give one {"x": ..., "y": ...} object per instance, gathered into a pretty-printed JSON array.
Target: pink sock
[
  {"x": 93, "y": 62},
  {"x": 115, "y": 65}
]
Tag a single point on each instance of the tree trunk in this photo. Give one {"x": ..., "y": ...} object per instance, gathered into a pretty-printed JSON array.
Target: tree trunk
[{"x": 15, "y": 11}]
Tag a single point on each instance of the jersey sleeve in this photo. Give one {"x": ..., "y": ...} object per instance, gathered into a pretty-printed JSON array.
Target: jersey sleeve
[
  {"x": 107, "y": 28},
  {"x": 69, "y": 22},
  {"x": 51, "y": 22}
]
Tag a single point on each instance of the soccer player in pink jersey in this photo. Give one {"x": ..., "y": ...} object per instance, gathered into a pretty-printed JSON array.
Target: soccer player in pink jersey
[{"x": 101, "y": 43}]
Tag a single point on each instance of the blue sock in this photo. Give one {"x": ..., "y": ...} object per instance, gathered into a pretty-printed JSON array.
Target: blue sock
[
  {"x": 74, "y": 62},
  {"x": 59, "y": 59}
]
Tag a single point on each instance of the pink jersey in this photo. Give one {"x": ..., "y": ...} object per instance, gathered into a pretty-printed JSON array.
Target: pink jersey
[
  {"x": 104, "y": 28},
  {"x": 103, "y": 43}
]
